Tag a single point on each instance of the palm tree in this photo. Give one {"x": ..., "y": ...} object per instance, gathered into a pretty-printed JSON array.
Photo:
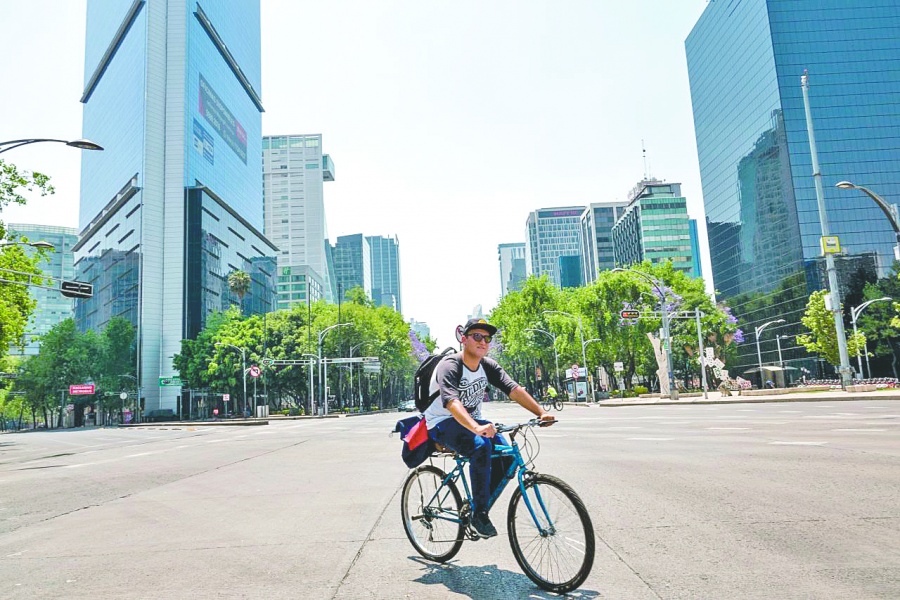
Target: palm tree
[{"x": 239, "y": 283}]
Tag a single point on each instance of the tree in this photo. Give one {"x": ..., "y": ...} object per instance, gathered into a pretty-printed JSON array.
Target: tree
[
  {"x": 16, "y": 304},
  {"x": 822, "y": 337},
  {"x": 239, "y": 283}
]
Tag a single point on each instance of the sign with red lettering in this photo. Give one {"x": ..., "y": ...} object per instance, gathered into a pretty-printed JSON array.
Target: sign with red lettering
[{"x": 81, "y": 389}]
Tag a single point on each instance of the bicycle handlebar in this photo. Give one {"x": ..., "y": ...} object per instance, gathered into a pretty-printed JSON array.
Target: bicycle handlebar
[{"x": 501, "y": 428}]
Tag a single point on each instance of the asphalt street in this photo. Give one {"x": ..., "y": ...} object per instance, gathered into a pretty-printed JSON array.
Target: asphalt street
[{"x": 782, "y": 500}]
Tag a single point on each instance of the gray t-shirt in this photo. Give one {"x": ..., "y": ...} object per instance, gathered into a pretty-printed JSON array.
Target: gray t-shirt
[{"x": 454, "y": 380}]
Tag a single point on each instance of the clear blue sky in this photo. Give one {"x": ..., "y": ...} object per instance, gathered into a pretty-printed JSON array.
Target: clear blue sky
[{"x": 448, "y": 122}]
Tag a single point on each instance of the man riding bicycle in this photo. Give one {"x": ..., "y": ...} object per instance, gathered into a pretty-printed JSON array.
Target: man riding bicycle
[{"x": 454, "y": 418}]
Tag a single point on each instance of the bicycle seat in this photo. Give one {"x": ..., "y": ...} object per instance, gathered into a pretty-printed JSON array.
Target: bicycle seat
[{"x": 439, "y": 449}]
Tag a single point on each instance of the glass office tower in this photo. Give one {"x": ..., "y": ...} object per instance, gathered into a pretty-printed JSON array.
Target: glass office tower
[
  {"x": 352, "y": 264},
  {"x": 174, "y": 203},
  {"x": 745, "y": 60},
  {"x": 551, "y": 233},
  {"x": 385, "y": 270}
]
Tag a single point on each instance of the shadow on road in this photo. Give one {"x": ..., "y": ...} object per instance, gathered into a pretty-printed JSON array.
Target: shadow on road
[{"x": 487, "y": 583}]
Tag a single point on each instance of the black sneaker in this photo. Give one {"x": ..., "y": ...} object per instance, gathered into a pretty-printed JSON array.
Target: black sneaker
[{"x": 483, "y": 526}]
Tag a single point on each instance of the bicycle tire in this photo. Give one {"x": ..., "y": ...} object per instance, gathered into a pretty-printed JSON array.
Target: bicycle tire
[
  {"x": 546, "y": 559},
  {"x": 420, "y": 528},
  {"x": 558, "y": 405}
]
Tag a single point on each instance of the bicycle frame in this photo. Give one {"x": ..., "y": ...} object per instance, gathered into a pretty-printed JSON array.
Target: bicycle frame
[{"x": 517, "y": 469}]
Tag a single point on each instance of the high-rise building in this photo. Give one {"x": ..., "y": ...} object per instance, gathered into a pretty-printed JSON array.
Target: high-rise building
[
  {"x": 385, "y": 269},
  {"x": 745, "y": 60},
  {"x": 655, "y": 227},
  {"x": 352, "y": 264},
  {"x": 596, "y": 237},
  {"x": 512, "y": 267},
  {"x": 695, "y": 248},
  {"x": 570, "y": 271},
  {"x": 294, "y": 171},
  {"x": 173, "y": 205},
  {"x": 52, "y": 307},
  {"x": 551, "y": 233}
]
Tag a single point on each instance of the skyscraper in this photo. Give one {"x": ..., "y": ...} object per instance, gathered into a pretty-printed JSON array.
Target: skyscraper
[
  {"x": 352, "y": 264},
  {"x": 294, "y": 170},
  {"x": 174, "y": 203},
  {"x": 52, "y": 307},
  {"x": 596, "y": 237},
  {"x": 654, "y": 227},
  {"x": 512, "y": 267},
  {"x": 745, "y": 60},
  {"x": 551, "y": 233},
  {"x": 385, "y": 269}
]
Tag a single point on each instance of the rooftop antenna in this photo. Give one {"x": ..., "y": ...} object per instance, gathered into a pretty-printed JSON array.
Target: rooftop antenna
[{"x": 644, "y": 150}]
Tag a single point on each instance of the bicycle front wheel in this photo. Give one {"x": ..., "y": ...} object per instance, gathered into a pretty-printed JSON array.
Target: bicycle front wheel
[
  {"x": 557, "y": 552},
  {"x": 557, "y": 404},
  {"x": 431, "y": 514}
]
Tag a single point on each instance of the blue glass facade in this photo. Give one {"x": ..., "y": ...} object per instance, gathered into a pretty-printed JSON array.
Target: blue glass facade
[
  {"x": 174, "y": 203},
  {"x": 745, "y": 60}
]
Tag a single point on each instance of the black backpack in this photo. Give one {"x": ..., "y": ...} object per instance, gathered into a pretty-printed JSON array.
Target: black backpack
[{"x": 422, "y": 380}]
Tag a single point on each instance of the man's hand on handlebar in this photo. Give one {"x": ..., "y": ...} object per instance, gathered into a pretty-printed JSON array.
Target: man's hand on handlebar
[
  {"x": 547, "y": 419},
  {"x": 487, "y": 431}
]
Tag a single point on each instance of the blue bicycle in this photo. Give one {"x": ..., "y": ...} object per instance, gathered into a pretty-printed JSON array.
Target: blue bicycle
[{"x": 550, "y": 531}]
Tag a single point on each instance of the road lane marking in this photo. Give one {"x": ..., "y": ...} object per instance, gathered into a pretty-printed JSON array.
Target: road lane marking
[
  {"x": 650, "y": 439},
  {"x": 729, "y": 428},
  {"x": 797, "y": 443},
  {"x": 790, "y": 411},
  {"x": 859, "y": 429},
  {"x": 622, "y": 427}
]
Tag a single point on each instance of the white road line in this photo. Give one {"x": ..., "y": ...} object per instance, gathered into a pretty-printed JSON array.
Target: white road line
[
  {"x": 859, "y": 429},
  {"x": 797, "y": 443},
  {"x": 883, "y": 423},
  {"x": 874, "y": 406},
  {"x": 790, "y": 411},
  {"x": 886, "y": 417},
  {"x": 650, "y": 439},
  {"x": 747, "y": 410},
  {"x": 729, "y": 428},
  {"x": 618, "y": 428},
  {"x": 215, "y": 441}
]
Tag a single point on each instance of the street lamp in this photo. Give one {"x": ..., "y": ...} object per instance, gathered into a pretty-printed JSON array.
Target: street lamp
[
  {"x": 323, "y": 380},
  {"x": 359, "y": 345},
  {"x": 829, "y": 257},
  {"x": 555, "y": 355},
  {"x": 584, "y": 345},
  {"x": 312, "y": 357},
  {"x": 81, "y": 144},
  {"x": 759, "y": 330},
  {"x": 40, "y": 245},
  {"x": 587, "y": 371},
  {"x": 889, "y": 210},
  {"x": 243, "y": 369},
  {"x": 855, "y": 311},
  {"x": 667, "y": 341}
]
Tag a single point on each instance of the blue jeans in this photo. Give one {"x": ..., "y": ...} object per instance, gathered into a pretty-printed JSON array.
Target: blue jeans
[{"x": 478, "y": 448}]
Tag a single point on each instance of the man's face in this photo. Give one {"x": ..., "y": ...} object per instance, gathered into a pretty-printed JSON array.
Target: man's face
[{"x": 477, "y": 342}]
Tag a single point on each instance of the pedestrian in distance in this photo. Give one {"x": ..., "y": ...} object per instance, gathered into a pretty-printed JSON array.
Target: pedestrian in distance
[{"x": 454, "y": 418}]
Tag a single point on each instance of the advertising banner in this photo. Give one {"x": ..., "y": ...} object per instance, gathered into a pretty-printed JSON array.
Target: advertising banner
[{"x": 222, "y": 120}]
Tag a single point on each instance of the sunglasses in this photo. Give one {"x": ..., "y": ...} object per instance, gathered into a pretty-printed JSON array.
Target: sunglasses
[{"x": 480, "y": 336}]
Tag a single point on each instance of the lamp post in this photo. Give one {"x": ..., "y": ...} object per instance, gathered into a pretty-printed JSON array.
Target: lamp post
[
  {"x": 758, "y": 331},
  {"x": 81, "y": 144},
  {"x": 555, "y": 355},
  {"x": 855, "y": 311},
  {"x": 243, "y": 370},
  {"x": 351, "y": 369},
  {"x": 312, "y": 357},
  {"x": 584, "y": 345},
  {"x": 889, "y": 210},
  {"x": 323, "y": 379},
  {"x": 587, "y": 371},
  {"x": 778, "y": 339},
  {"x": 40, "y": 245},
  {"x": 829, "y": 257},
  {"x": 667, "y": 340},
  {"x": 137, "y": 398}
]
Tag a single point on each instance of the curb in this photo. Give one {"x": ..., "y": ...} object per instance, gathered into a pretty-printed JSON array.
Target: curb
[
  {"x": 167, "y": 424},
  {"x": 742, "y": 400}
]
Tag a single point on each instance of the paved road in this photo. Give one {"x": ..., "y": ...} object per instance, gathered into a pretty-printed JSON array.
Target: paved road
[{"x": 788, "y": 500}]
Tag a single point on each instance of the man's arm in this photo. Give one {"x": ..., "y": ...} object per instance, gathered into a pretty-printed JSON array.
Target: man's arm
[
  {"x": 526, "y": 401},
  {"x": 463, "y": 417}
]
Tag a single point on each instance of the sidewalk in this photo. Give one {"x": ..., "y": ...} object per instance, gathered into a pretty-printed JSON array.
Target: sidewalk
[{"x": 717, "y": 398}]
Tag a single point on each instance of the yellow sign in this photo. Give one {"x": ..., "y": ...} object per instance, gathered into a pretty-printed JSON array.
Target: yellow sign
[{"x": 831, "y": 244}]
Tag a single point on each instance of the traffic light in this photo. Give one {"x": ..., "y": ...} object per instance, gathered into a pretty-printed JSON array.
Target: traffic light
[
  {"x": 76, "y": 289},
  {"x": 630, "y": 314}
]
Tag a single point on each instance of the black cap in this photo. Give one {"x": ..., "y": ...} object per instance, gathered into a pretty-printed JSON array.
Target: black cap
[{"x": 478, "y": 324}]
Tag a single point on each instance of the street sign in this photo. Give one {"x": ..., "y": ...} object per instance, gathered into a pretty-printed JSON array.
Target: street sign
[
  {"x": 81, "y": 389},
  {"x": 630, "y": 314},
  {"x": 253, "y": 371},
  {"x": 170, "y": 381},
  {"x": 123, "y": 396},
  {"x": 226, "y": 397},
  {"x": 710, "y": 352},
  {"x": 831, "y": 244},
  {"x": 9, "y": 375},
  {"x": 76, "y": 289},
  {"x": 268, "y": 362},
  {"x": 619, "y": 367},
  {"x": 371, "y": 367}
]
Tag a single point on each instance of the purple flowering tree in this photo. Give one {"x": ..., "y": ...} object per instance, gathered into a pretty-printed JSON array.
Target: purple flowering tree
[{"x": 419, "y": 351}]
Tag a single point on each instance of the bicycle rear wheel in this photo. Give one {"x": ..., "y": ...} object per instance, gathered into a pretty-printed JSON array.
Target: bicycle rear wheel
[
  {"x": 557, "y": 404},
  {"x": 431, "y": 514},
  {"x": 559, "y": 555}
]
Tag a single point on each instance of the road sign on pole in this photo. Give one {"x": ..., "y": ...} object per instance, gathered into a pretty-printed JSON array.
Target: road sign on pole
[
  {"x": 170, "y": 381},
  {"x": 630, "y": 314},
  {"x": 253, "y": 371},
  {"x": 81, "y": 389},
  {"x": 76, "y": 289},
  {"x": 619, "y": 367}
]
